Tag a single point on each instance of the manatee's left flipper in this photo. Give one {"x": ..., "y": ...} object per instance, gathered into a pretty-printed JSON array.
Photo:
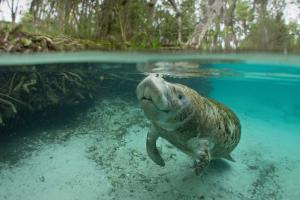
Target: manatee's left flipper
[
  {"x": 152, "y": 150},
  {"x": 202, "y": 162},
  {"x": 201, "y": 153}
]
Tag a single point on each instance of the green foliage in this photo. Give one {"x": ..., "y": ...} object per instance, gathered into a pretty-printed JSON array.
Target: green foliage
[
  {"x": 267, "y": 34},
  {"x": 155, "y": 44},
  {"x": 243, "y": 12},
  {"x": 27, "y": 18},
  {"x": 142, "y": 41},
  {"x": 188, "y": 18},
  {"x": 294, "y": 36},
  {"x": 167, "y": 26},
  {"x": 251, "y": 25}
]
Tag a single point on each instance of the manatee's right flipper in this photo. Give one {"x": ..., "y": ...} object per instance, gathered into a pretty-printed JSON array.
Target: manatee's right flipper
[
  {"x": 151, "y": 147},
  {"x": 201, "y": 153}
]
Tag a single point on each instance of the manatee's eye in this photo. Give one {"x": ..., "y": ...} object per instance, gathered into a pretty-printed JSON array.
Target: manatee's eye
[
  {"x": 157, "y": 75},
  {"x": 180, "y": 96}
]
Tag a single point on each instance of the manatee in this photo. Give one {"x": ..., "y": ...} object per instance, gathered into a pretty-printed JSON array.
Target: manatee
[{"x": 198, "y": 126}]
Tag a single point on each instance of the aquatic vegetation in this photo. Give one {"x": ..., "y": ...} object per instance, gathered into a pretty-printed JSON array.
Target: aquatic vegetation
[
  {"x": 34, "y": 90},
  {"x": 266, "y": 185}
]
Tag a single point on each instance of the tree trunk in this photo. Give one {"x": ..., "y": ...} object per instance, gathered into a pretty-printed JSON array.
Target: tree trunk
[
  {"x": 13, "y": 6},
  {"x": 150, "y": 17},
  {"x": 106, "y": 18},
  {"x": 228, "y": 22},
  {"x": 151, "y": 5},
  {"x": 213, "y": 10},
  {"x": 52, "y": 4},
  {"x": 13, "y": 17},
  {"x": 216, "y": 45},
  {"x": 122, "y": 10},
  {"x": 178, "y": 19},
  {"x": 67, "y": 12},
  {"x": 33, "y": 9}
]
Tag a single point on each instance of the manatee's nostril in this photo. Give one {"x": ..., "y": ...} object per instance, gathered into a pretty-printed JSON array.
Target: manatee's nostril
[
  {"x": 147, "y": 98},
  {"x": 157, "y": 75}
]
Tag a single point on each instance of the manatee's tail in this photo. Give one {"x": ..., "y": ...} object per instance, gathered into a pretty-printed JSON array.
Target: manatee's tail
[{"x": 228, "y": 157}]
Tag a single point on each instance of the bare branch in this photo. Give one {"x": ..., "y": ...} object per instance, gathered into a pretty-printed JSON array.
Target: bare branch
[{"x": 214, "y": 8}]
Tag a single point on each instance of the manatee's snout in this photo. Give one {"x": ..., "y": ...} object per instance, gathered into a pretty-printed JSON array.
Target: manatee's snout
[{"x": 152, "y": 93}]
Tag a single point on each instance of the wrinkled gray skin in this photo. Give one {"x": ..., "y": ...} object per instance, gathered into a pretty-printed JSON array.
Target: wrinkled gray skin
[{"x": 198, "y": 126}]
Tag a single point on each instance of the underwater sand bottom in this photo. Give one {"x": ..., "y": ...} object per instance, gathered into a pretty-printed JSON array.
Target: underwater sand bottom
[{"x": 103, "y": 156}]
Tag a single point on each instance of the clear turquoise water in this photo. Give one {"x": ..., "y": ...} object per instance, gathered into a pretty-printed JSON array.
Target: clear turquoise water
[{"x": 263, "y": 90}]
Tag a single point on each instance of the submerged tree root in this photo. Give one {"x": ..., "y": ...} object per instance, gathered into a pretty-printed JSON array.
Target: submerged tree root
[
  {"x": 30, "y": 91},
  {"x": 38, "y": 88}
]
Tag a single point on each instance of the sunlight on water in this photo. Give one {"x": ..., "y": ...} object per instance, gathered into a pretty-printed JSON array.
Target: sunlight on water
[
  {"x": 177, "y": 64},
  {"x": 134, "y": 57}
]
